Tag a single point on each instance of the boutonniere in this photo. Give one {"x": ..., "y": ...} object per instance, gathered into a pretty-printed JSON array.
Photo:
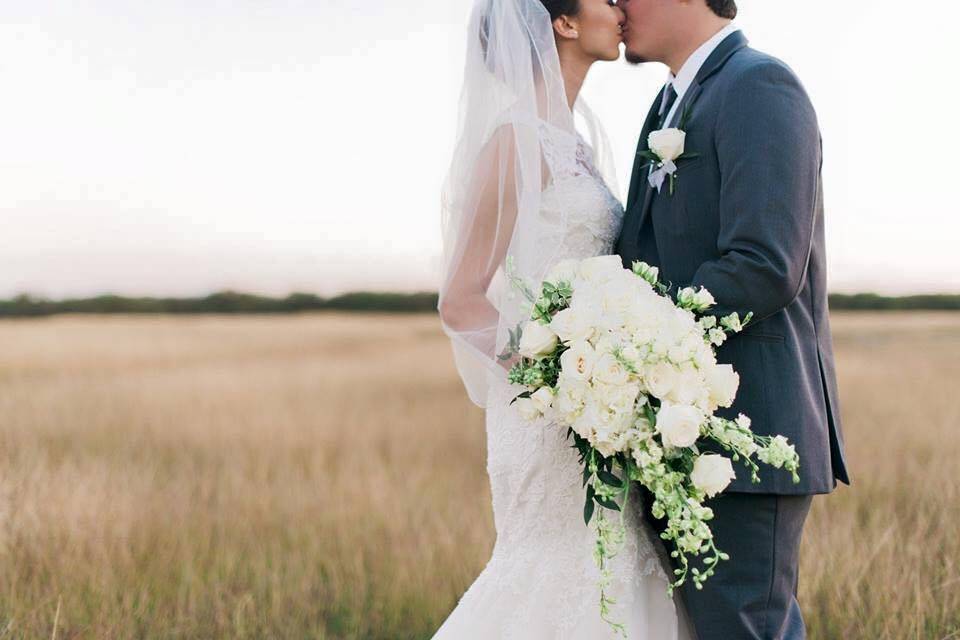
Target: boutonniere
[{"x": 664, "y": 148}]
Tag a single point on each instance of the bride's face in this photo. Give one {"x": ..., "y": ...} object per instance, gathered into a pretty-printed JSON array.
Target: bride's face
[{"x": 598, "y": 26}]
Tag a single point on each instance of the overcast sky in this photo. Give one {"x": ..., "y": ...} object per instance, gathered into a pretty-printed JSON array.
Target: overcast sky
[{"x": 180, "y": 147}]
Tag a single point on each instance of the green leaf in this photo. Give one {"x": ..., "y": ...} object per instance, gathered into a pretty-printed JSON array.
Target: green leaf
[
  {"x": 607, "y": 504},
  {"x": 587, "y": 511},
  {"x": 610, "y": 479}
]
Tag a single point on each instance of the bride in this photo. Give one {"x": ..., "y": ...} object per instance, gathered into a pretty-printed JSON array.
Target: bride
[{"x": 525, "y": 190}]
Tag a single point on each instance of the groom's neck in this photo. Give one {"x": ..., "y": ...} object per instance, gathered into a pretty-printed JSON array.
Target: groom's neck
[{"x": 691, "y": 39}]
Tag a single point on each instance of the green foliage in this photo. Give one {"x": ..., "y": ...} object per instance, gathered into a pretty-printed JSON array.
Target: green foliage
[
  {"x": 26, "y": 305},
  {"x": 874, "y": 302},
  {"x": 228, "y": 301}
]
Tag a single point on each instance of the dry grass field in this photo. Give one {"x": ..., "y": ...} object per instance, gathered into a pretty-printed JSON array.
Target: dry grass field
[{"x": 322, "y": 476}]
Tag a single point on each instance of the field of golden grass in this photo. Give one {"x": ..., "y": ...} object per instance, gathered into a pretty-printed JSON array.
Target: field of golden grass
[{"x": 322, "y": 476}]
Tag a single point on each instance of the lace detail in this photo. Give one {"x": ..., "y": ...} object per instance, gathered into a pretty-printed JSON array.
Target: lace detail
[{"x": 541, "y": 580}]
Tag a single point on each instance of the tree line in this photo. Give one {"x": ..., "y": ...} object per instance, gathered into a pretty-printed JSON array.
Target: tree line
[{"x": 229, "y": 301}]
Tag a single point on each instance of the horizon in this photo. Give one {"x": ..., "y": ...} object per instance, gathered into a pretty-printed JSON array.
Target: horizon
[{"x": 180, "y": 149}]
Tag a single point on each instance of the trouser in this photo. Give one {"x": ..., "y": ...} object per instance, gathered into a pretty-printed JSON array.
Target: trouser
[{"x": 753, "y": 595}]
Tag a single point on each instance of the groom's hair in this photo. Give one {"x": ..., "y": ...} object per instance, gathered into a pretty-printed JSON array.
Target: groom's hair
[{"x": 724, "y": 8}]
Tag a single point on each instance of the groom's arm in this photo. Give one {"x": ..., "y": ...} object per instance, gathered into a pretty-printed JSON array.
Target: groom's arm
[{"x": 768, "y": 145}]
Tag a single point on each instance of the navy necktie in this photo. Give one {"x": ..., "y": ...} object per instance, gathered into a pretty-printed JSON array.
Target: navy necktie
[{"x": 668, "y": 99}]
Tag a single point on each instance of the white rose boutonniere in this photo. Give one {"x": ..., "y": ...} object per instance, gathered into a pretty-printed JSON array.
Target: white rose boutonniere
[{"x": 664, "y": 148}]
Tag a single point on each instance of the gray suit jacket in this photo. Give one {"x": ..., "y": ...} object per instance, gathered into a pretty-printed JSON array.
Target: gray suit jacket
[{"x": 746, "y": 222}]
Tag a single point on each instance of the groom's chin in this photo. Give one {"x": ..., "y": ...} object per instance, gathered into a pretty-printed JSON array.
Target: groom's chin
[{"x": 634, "y": 58}]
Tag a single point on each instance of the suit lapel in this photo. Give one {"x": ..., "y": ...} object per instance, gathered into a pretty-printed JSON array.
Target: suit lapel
[{"x": 730, "y": 45}]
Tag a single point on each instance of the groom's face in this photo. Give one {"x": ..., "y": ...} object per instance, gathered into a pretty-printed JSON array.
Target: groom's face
[{"x": 647, "y": 27}]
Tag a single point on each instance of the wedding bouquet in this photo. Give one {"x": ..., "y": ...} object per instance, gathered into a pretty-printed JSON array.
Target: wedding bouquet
[{"x": 633, "y": 376}]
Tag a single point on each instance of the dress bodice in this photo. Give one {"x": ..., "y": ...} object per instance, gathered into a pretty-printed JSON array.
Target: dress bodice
[{"x": 586, "y": 216}]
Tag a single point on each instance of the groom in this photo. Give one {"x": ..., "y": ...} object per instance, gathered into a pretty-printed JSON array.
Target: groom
[{"x": 744, "y": 220}]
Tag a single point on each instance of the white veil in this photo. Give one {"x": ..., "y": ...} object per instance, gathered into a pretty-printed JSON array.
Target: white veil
[{"x": 515, "y": 134}]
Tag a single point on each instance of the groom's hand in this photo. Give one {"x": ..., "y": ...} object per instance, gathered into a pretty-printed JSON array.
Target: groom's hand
[{"x": 768, "y": 145}]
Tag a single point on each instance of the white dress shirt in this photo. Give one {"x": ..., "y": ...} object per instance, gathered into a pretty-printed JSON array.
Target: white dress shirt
[{"x": 684, "y": 78}]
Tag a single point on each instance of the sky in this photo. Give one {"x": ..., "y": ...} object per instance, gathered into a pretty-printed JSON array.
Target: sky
[{"x": 180, "y": 147}]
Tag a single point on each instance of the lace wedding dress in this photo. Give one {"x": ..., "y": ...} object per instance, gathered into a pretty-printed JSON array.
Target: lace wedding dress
[{"x": 541, "y": 581}]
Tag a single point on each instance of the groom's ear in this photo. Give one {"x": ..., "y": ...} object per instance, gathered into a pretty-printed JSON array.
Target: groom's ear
[{"x": 566, "y": 27}]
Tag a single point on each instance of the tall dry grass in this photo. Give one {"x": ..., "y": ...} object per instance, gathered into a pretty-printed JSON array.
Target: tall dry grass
[{"x": 322, "y": 476}]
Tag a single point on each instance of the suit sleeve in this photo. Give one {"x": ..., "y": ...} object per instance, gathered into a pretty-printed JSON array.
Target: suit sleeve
[{"x": 768, "y": 145}]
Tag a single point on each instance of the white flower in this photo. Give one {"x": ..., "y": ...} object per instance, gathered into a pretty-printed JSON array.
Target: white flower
[
  {"x": 528, "y": 410},
  {"x": 601, "y": 268},
  {"x": 732, "y": 322},
  {"x": 621, "y": 398},
  {"x": 537, "y": 340},
  {"x": 717, "y": 336},
  {"x": 542, "y": 399},
  {"x": 609, "y": 371},
  {"x": 619, "y": 300},
  {"x": 693, "y": 299},
  {"x": 645, "y": 271},
  {"x": 630, "y": 353},
  {"x": 723, "y": 382},
  {"x": 660, "y": 379},
  {"x": 712, "y": 473},
  {"x": 570, "y": 397},
  {"x": 778, "y": 453},
  {"x": 667, "y": 143},
  {"x": 689, "y": 387},
  {"x": 578, "y": 361},
  {"x": 574, "y": 323},
  {"x": 679, "y": 425},
  {"x": 704, "y": 299}
]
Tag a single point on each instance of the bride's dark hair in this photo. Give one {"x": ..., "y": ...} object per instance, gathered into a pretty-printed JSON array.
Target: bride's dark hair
[{"x": 557, "y": 8}]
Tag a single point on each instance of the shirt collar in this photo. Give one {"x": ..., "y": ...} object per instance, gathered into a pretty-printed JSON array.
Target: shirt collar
[{"x": 684, "y": 78}]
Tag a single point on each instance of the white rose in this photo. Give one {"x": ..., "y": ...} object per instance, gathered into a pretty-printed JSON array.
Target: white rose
[
  {"x": 619, "y": 301},
  {"x": 574, "y": 324},
  {"x": 660, "y": 379},
  {"x": 586, "y": 422},
  {"x": 617, "y": 397},
  {"x": 609, "y": 371},
  {"x": 689, "y": 387},
  {"x": 712, "y": 473},
  {"x": 528, "y": 410},
  {"x": 542, "y": 399},
  {"x": 723, "y": 382},
  {"x": 578, "y": 361},
  {"x": 601, "y": 268},
  {"x": 667, "y": 143},
  {"x": 569, "y": 401},
  {"x": 679, "y": 425},
  {"x": 537, "y": 340},
  {"x": 610, "y": 443}
]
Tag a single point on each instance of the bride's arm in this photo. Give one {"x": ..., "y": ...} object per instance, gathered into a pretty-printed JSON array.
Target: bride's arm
[{"x": 482, "y": 243}]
